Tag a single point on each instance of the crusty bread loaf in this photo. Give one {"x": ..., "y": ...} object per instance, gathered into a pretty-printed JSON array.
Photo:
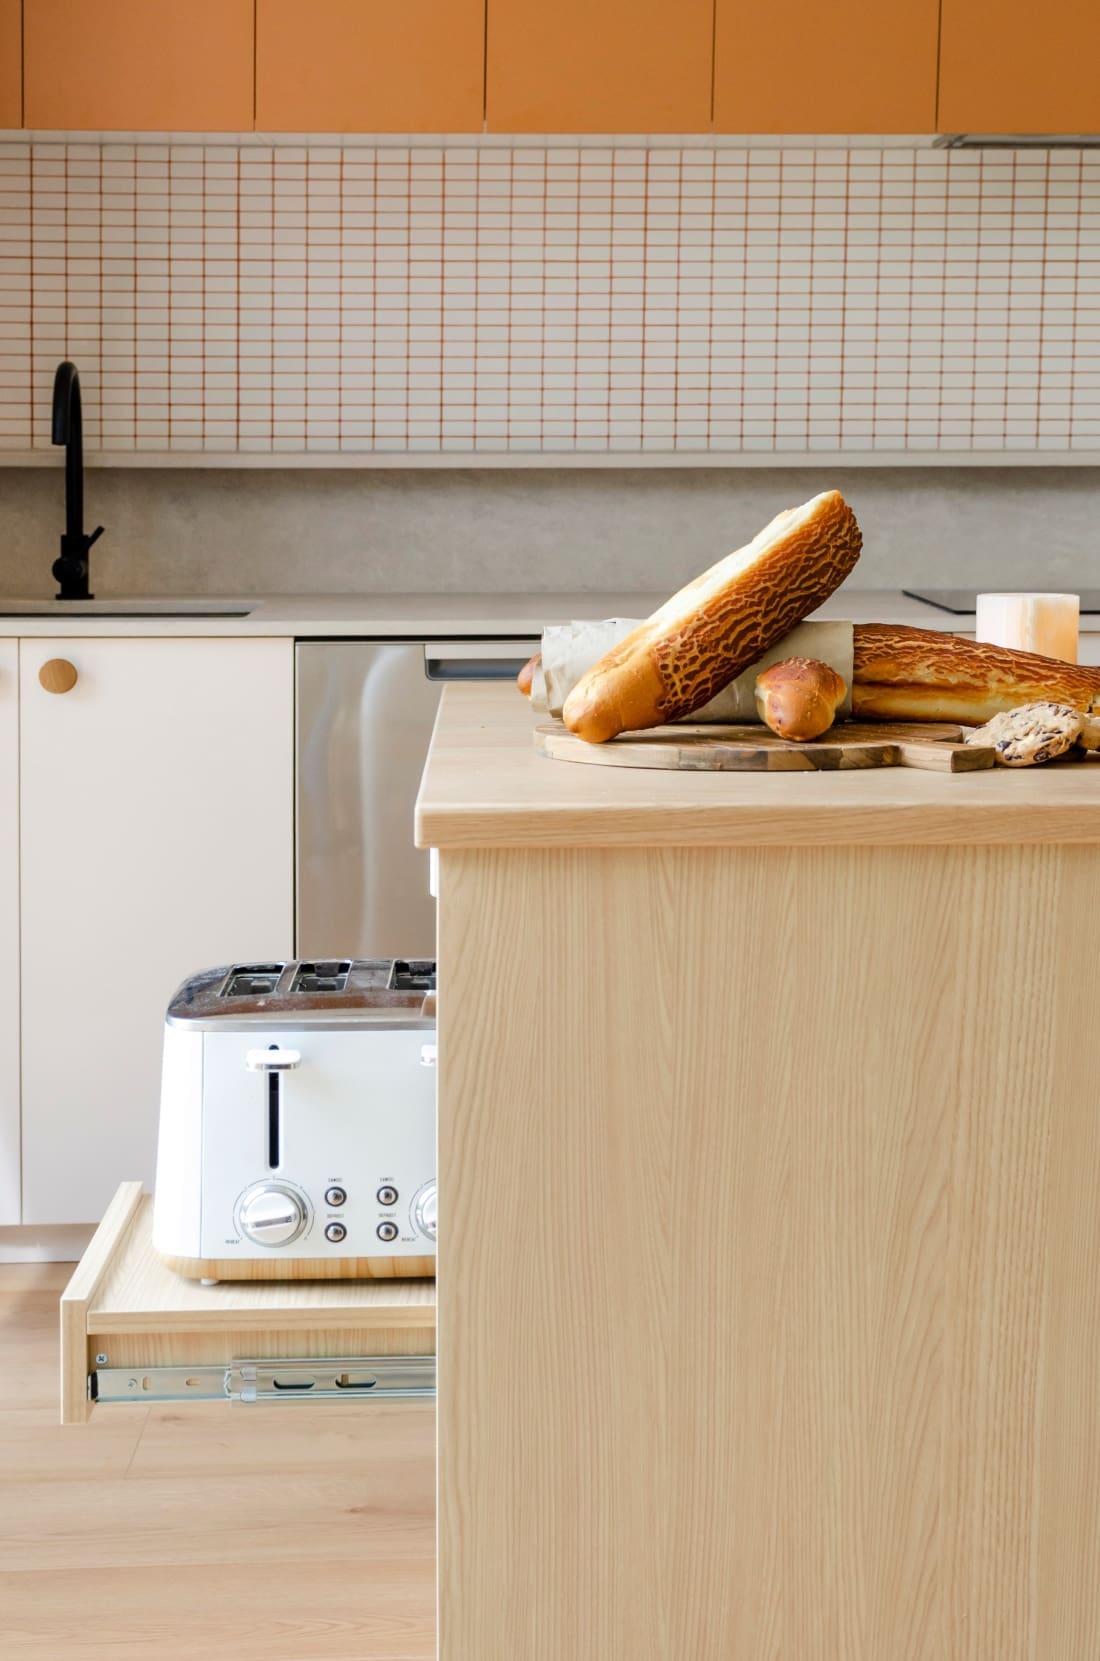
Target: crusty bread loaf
[
  {"x": 903, "y": 674},
  {"x": 695, "y": 644},
  {"x": 526, "y": 677},
  {"x": 799, "y": 697}
]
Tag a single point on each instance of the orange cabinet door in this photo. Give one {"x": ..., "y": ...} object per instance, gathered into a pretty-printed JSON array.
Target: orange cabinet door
[
  {"x": 370, "y": 66},
  {"x": 853, "y": 66},
  {"x": 599, "y": 66},
  {"x": 11, "y": 63},
  {"x": 169, "y": 65},
  {"x": 1011, "y": 66}
]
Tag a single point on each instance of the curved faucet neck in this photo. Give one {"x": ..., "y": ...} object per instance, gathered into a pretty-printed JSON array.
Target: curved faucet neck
[{"x": 68, "y": 430}]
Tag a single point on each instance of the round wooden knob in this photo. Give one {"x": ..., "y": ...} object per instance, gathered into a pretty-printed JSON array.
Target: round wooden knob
[{"x": 58, "y": 675}]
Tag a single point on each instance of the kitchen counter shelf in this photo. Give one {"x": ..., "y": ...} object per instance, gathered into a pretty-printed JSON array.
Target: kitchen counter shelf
[
  {"x": 485, "y": 787},
  {"x": 124, "y": 1309},
  {"x": 412, "y": 616}
]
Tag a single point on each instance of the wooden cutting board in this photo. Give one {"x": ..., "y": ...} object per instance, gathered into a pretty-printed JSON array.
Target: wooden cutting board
[{"x": 751, "y": 749}]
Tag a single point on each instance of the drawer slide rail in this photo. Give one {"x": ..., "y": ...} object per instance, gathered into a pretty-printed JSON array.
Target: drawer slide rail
[{"x": 355, "y": 1378}]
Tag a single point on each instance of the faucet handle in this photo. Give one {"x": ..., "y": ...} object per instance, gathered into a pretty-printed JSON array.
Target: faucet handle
[{"x": 93, "y": 536}]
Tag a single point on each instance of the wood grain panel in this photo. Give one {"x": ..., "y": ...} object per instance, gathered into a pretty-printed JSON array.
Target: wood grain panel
[
  {"x": 367, "y": 66},
  {"x": 301, "y": 1268},
  {"x": 180, "y": 67},
  {"x": 137, "y": 1293},
  {"x": 796, "y": 1357},
  {"x": 599, "y": 66},
  {"x": 849, "y": 67},
  {"x": 1008, "y": 66},
  {"x": 224, "y": 1344},
  {"x": 11, "y": 63},
  {"x": 124, "y": 1303},
  {"x": 78, "y": 1296},
  {"x": 523, "y": 800}
]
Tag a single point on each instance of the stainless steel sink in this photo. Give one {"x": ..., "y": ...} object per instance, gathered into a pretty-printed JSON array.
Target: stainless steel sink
[{"x": 124, "y": 608}]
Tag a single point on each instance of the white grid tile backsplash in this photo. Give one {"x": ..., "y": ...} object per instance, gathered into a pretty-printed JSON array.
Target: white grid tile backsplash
[{"x": 552, "y": 298}]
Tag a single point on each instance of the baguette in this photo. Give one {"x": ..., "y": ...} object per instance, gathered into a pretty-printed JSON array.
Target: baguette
[
  {"x": 903, "y": 674},
  {"x": 723, "y": 621},
  {"x": 526, "y": 677}
]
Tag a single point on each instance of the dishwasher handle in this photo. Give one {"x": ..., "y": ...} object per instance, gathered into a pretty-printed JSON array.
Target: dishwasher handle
[{"x": 476, "y": 660}]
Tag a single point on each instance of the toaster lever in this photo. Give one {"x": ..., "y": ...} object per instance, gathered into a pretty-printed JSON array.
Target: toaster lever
[{"x": 272, "y": 1061}]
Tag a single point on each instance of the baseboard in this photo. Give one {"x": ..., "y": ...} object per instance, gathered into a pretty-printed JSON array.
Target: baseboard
[{"x": 41, "y": 1243}]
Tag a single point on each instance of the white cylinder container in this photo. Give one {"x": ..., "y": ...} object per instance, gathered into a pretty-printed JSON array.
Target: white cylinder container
[{"x": 1045, "y": 623}]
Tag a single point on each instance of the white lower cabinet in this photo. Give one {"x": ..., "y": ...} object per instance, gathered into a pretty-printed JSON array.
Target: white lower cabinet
[
  {"x": 9, "y": 932},
  {"x": 156, "y": 838}
]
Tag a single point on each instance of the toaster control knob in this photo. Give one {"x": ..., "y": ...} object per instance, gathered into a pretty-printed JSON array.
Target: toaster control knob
[
  {"x": 424, "y": 1210},
  {"x": 272, "y": 1216}
]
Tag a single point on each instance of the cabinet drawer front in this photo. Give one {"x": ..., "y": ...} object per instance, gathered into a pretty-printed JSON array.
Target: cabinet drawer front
[
  {"x": 123, "y": 1308},
  {"x": 367, "y": 66},
  {"x": 843, "y": 68},
  {"x": 1007, "y": 66},
  {"x": 599, "y": 66},
  {"x": 156, "y": 834},
  {"x": 9, "y": 932},
  {"x": 11, "y": 63},
  {"x": 143, "y": 64}
]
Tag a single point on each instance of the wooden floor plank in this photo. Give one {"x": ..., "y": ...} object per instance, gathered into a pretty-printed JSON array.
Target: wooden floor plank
[
  {"x": 268, "y": 1533},
  {"x": 342, "y": 1610}
]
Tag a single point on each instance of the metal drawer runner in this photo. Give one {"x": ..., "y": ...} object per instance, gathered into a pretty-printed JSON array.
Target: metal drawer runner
[
  {"x": 377, "y": 1377},
  {"x": 132, "y": 1331}
]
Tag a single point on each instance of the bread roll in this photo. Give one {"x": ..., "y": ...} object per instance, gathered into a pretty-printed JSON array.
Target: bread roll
[
  {"x": 525, "y": 678},
  {"x": 903, "y": 674},
  {"x": 674, "y": 663},
  {"x": 799, "y": 697}
]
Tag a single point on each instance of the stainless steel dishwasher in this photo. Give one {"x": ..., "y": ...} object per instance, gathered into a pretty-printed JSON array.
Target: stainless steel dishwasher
[{"x": 365, "y": 710}]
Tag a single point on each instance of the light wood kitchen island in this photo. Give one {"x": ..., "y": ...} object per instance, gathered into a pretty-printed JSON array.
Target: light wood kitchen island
[{"x": 769, "y": 1161}]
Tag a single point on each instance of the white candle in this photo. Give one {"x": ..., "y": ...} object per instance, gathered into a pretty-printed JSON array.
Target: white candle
[{"x": 1044, "y": 623}]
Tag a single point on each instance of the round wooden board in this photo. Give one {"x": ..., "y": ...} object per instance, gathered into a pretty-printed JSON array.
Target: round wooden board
[{"x": 747, "y": 749}]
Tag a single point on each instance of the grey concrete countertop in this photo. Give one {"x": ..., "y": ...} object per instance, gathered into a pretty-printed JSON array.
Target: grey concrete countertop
[{"x": 398, "y": 616}]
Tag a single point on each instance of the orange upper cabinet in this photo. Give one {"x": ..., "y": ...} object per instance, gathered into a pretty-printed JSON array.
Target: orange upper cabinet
[
  {"x": 370, "y": 66},
  {"x": 1012, "y": 66},
  {"x": 599, "y": 66},
  {"x": 168, "y": 65},
  {"x": 852, "y": 66},
  {"x": 11, "y": 63}
]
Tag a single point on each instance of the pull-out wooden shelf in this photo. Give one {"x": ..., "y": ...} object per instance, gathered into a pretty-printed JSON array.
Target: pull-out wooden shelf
[{"x": 124, "y": 1311}]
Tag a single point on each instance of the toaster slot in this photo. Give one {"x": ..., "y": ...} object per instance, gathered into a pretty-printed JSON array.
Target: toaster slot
[
  {"x": 330, "y": 976},
  {"x": 412, "y": 975},
  {"x": 274, "y": 1118},
  {"x": 252, "y": 980}
]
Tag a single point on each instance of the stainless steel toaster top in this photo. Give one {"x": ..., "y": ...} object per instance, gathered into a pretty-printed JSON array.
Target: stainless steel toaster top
[{"x": 330, "y": 992}]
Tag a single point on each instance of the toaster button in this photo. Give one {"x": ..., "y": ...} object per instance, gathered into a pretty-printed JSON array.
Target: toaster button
[
  {"x": 387, "y": 1195},
  {"x": 387, "y": 1231},
  {"x": 335, "y": 1196},
  {"x": 336, "y": 1232}
]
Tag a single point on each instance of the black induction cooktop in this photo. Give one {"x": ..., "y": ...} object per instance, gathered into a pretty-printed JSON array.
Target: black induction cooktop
[{"x": 963, "y": 602}]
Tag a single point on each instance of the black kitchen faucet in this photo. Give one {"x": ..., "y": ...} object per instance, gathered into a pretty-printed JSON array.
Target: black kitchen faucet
[{"x": 71, "y": 569}]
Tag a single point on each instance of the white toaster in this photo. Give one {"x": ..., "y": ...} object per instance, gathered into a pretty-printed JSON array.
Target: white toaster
[{"x": 297, "y": 1122}]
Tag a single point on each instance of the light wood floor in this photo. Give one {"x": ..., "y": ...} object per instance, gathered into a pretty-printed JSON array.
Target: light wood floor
[{"x": 285, "y": 1533}]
